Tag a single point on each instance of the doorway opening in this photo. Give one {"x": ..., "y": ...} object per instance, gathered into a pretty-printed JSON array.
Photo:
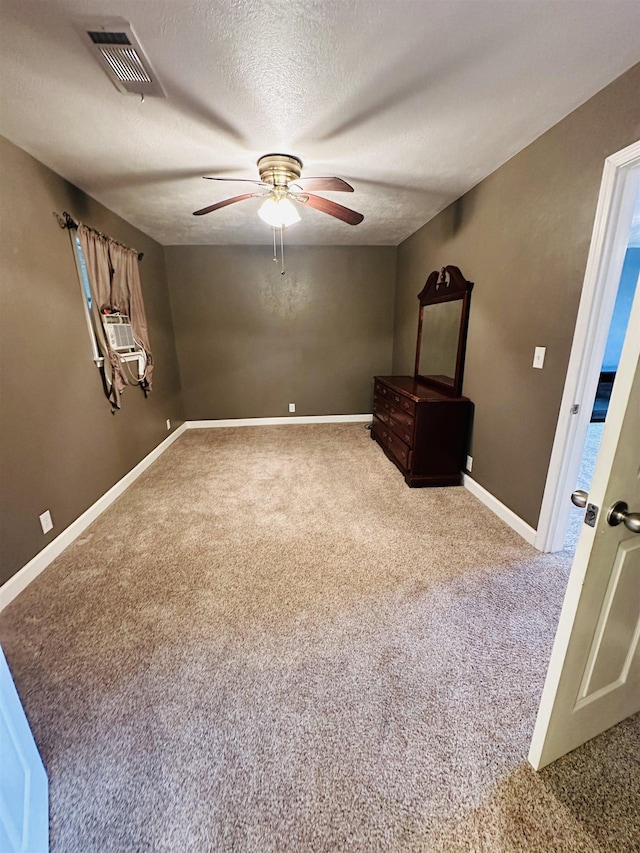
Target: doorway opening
[
  {"x": 627, "y": 286},
  {"x": 592, "y": 679},
  {"x": 615, "y": 230}
]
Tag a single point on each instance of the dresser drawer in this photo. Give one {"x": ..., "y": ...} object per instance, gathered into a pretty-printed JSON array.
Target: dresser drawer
[
  {"x": 381, "y": 390},
  {"x": 380, "y": 399},
  {"x": 403, "y": 403},
  {"x": 399, "y": 449},
  {"x": 380, "y": 410},
  {"x": 401, "y": 417},
  {"x": 380, "y": 430},
  {"x": 404, "y": 430}
]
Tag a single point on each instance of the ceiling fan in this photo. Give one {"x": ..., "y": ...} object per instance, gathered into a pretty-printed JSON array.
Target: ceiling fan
[{"x": 281, "y": 182}]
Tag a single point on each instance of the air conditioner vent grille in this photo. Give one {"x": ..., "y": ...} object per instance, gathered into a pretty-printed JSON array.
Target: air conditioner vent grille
[
  {"x": 119, "y": 333},
  {"x": 100, "y": 37},
  {"x": 126, "y": 64},
  {"x": 115, "y": 46}
]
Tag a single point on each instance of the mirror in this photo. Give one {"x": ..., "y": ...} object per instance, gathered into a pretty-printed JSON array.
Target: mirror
[
  {"x": 438, "y": 355},
  {"x": 442, "y": 330}
]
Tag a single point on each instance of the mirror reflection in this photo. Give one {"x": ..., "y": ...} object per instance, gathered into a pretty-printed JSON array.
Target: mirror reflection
[{"x": 440, "y": 332}]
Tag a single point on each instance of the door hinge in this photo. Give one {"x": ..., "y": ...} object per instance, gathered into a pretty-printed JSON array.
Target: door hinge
[{"x": 575, "y": 408}]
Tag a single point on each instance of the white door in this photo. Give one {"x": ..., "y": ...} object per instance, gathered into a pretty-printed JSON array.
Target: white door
[
  {"x": 24, "y": 799},
  {"x": 593, "y": 680}
]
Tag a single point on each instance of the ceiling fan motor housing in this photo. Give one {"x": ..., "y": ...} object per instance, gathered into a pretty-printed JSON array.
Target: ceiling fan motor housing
[{"x": 279, "y": 169}]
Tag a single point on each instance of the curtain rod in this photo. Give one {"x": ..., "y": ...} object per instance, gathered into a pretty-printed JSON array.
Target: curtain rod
[{"x": 67, "y": 221}]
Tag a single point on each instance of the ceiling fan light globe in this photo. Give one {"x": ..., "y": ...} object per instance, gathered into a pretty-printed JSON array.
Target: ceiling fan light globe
[{"x": 279, "y": 213}]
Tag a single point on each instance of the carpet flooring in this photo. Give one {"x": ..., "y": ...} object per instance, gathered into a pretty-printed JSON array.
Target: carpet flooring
[{"x": 270, "y": 644}]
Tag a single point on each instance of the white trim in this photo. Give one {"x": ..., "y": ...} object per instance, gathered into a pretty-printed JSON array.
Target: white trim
[
  {"x": 78, "y": 256},
  {"x": 23, "y": 577},
  {"x": 310, "y": 419},
  {"x": 498, "y": 508},
  {"x": 604, "y": 264}
]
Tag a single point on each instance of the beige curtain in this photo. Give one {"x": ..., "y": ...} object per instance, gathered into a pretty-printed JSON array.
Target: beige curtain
[
  {"x": 114, "y": 279},
  {"x": 126, "y": 297}
]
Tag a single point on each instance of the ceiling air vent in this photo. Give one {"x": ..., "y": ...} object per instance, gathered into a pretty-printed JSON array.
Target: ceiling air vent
[{"x": 114, "y": 44}]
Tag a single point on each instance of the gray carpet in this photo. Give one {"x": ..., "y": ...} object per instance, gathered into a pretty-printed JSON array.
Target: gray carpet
[{"x": 269, "y": 643}]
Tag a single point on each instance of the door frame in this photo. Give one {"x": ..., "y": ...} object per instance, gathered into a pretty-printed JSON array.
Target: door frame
[{"x": 618, "y": 192}]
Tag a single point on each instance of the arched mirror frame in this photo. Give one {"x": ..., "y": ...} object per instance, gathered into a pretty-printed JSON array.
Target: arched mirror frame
[{"x": 446, "y": 285}]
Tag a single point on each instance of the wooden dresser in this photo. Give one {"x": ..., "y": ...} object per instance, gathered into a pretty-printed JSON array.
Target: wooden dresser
[{"x": 423, "y": 431}]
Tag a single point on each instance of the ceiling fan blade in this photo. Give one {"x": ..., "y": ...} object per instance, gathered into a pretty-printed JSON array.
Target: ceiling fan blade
[
  {"x": 224, "y": 203},
  {"x": 323, "y": 184},
  {"x": 240, "y": 180},
  {"x": 351, "y": 217}
]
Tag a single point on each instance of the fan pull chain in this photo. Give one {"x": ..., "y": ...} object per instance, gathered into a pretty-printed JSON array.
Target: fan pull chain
[
  {"x": 275, "y": 249},
  {"x": 281, "y": 251}
]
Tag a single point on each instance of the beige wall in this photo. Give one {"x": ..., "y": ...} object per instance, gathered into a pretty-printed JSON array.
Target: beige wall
[
  {"x": 60, "y": 446},
  {"x": 251, "y": 340},
  {"x": 522, "y": 235}
]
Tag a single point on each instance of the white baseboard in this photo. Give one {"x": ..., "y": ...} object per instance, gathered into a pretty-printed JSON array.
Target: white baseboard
[
  {"x": 23, "y": 577},
  {"x": 503, "y": 512},
  {"x": 294, "y": 419}
]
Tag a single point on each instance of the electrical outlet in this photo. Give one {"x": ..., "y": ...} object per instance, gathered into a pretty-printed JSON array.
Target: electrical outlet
[
  {"x": 292, "y": 407},
  {"x": 168, "y": 423},
  {"x": 538, "y": 357},
  {"x": 46, "y": 522},
  {"x": 469, "y": 463}
]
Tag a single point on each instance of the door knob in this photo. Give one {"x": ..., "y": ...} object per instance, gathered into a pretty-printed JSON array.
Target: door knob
[
  {"x": 618, "y": 514},
  {"x": 579, "y": 498}
]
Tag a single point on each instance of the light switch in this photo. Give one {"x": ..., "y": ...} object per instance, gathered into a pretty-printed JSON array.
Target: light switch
[{"x": 538, "y": 357}]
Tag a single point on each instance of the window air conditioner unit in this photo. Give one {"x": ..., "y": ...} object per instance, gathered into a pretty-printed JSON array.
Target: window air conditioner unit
[{"x": 119, "y": 333}]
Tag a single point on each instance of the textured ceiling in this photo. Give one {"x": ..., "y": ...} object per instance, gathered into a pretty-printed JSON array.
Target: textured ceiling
[{"x": 411, "y": 102}]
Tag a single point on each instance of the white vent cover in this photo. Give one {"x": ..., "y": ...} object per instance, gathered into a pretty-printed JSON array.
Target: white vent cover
[{"x": 114, "y": 44}]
